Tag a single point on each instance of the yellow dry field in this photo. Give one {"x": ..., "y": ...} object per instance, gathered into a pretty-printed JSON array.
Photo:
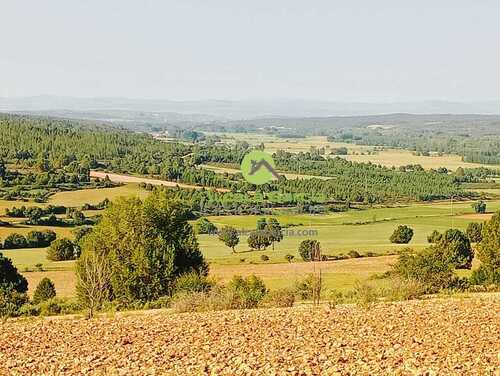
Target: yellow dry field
[
  {"x": 94, "y": 196},
  {"x": 358, "y": 153}
]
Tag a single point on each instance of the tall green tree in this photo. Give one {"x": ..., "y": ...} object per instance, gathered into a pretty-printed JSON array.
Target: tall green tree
[
  {"x": 274, "y": 229},
  {"x": 229, "y": 236},
  {"x": 144, "y": 247}
]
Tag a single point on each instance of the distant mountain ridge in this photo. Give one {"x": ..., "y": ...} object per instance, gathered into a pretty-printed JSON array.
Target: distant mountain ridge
[{"x": 210, "y": 110}]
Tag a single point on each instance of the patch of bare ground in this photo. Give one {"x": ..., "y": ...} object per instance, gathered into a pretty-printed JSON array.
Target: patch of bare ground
[
  {"x": 118, "y": 178},
  {"x": 477, "y": 217},
  {"x": 446, "y": 337},
  {"x": 360, "y": 266}
]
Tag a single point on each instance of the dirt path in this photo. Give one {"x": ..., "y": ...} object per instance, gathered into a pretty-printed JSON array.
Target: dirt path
[{"x": 118, "y": 178}]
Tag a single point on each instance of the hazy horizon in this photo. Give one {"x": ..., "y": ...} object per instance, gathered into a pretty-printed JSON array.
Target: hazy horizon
[{"x": 357, "y": 51}]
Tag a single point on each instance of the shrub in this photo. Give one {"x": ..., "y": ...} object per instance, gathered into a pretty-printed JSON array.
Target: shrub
[
  {"x": 264, "y": 258},
  {"x": 62, "y": 250},
  {"x": 402, "y": 235},
  {"x": 365, "y": 295},
  {"x": 15, "y": 241},
  {"x": 309, "y": 287},
  {"x": 214, "y": 300},
  {"x": 310, "y": 250},
  {"x": 354, "y": 254},
  {"x": 204, "y": 226},
  {"x": 479, "y": 207},
  {"x": 246, "y": 292},
  {"x": 428, "y": 268},
  {"x": 44, "y": 291},
  {"x": 485, "y": 275},
  {"x": 259, "y": 239},
  {"x": 434, "y": 237},
  {"x": 455, "y": 248},
  {"x": 192, "y": 282},
  {"x": 11, "y": 302},
  {"x": 282, "y": 298},
  {"x": 401, "y": 289},
  {"x": 473, "y": 232},
  {"x": 289, "y": 257},
  {"x": 335, "y": 298}
]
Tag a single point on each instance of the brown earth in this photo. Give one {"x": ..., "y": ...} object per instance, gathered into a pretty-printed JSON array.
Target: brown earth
[
  {"x": 445, "y": 337},
  {"x": 137, "y": 179}
]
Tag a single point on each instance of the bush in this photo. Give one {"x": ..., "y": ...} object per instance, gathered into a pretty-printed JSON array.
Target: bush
[
  {"x": 62, "y": 250},
  {"x": 310, "y": 250},
  {"x": 428, "y": 268},
  {"x": 354, "y": 254},
  {"x": 246, "y": 292},
  {"x": 473, "y": 232},
  {"x": 479, "y": 207},
  {"x": 11, "y": 302},
  {"x": 402, "y": 235},
  {"x": 40, "y": 239},
  {"x": 289, "y": 257},
  {"x": 434, "y": 237},
  {"x": 44, "y": 291},
  {"x": 264, "y": 258},
  {"x": 216, "y": 299},
  {"x": 365, "y": 295},
  {"x": 259, "y": 239},
  {"x": 401, "y": 290},
  {"x": 335, "y": 298},
  {"x": 204, "y": 226},
  {"x": 455, "y": 248},
  {"x": 15, "y": 241},
  {"x": 282, "y": 298},
  {"x": 192, "y": 282},
  {"x": 309, "y": 287},
  {"x": 485, "y": 275}
]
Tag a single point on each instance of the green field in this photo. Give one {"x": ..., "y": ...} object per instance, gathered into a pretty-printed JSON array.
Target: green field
[{"x": 339, "y": 233}]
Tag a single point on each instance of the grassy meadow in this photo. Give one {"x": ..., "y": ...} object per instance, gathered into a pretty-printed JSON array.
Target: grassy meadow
[{"x": 339, "y": 233}]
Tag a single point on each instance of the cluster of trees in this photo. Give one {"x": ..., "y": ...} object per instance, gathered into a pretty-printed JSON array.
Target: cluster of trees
[
  {"x": 34, "y": 239},
  {"x": 34, "y": 212},
  {"x": 267, "y": 233},
  {"x": 434, "y": 267}
]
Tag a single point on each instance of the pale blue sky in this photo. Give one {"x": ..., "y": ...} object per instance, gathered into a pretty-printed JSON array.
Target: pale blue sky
[{"x": 332, "y": 50}]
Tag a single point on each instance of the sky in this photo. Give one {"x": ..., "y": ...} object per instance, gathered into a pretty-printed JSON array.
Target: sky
[{"x": 370, "y": 51}]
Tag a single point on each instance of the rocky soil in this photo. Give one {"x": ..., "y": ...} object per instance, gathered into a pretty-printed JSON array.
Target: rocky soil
[{"x": 445, "y": 337}]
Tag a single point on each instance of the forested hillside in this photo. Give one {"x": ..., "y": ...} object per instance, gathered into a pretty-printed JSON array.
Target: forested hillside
[{"x": 50, "y": 146}]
